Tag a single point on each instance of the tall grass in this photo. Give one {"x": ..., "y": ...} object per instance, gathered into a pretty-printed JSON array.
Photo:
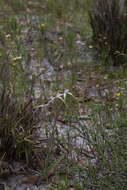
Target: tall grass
[{"x": 109, "y": 23}]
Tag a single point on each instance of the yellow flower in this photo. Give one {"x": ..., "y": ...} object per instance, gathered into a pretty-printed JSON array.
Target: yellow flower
[
  {"x": 17, "y": 58},
  {"x": 43, "y": 27},
  {"x": 118, "y": 94}
]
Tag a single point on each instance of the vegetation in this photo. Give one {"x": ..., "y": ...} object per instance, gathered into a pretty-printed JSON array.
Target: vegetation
[
  {"x": 62, "y": 113},
  {"x": 108, "y": 21}
]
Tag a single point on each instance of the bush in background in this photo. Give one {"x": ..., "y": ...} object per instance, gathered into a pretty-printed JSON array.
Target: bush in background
[{"x": 109, "y": 21}]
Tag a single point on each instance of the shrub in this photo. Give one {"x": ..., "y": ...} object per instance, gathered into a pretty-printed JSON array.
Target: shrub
[
  {"x": 17, "y": 130},
  {"x": 18, "y": 119},
  {"x": 109, "y": 21}
]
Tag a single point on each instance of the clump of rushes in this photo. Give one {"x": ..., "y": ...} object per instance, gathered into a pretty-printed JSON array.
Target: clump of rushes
[
  {"x": 18, "y": 117},
  {"x": 17, "y": 127},
  {"x": 108, "y": 21}
]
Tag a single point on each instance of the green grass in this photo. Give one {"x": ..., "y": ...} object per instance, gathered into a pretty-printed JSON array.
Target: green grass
[{"x": 81, "y": 100}]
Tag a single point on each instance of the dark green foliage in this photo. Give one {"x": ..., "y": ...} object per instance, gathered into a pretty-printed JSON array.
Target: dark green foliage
[{"x": 109, "y": 24}]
